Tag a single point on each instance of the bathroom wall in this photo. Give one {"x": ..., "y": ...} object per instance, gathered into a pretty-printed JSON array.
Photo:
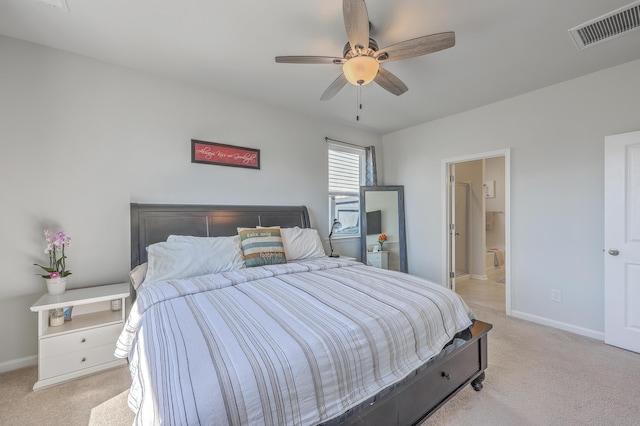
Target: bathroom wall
[{"x": 494, "y": 171}]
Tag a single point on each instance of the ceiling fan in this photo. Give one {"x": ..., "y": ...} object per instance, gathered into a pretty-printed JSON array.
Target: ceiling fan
[{"x": 362, "y": 58}]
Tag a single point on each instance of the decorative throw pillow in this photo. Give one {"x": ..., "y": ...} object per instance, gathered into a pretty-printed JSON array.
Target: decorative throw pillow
[
  {"x": 302, "y": 243},
  {"x": 262, "y": 246}
]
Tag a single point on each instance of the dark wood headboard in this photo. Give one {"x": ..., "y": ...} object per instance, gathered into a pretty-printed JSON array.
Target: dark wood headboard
[{"x": 153, "y": 223}]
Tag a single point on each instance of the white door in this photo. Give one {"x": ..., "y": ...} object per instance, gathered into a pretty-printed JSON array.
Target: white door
[
  {"x": 622, "y": 241},
  {"x": 461, "y": 225},
  {"x": 451, "y": 251}
]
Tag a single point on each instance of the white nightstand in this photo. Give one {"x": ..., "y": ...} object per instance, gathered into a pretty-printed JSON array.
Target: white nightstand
[
  {"x": 379, "y": 259},
  {"x": 85, "y": 344}
]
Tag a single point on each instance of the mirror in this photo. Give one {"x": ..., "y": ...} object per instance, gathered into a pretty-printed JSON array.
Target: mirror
[{"x": 382, "y": 212}]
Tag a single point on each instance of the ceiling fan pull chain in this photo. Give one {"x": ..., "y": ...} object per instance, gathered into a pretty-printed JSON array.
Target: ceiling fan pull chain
[{"x": 358, "y": 104}]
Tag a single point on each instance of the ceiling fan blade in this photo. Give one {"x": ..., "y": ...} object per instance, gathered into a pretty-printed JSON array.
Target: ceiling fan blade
[
  {"x": 390, "y": 82},
  {"x": 417, "y": 47},
  {"x": 356, "y": 22},
  {"x": 309, "y": 60},
  {"x": 334, "y": 88}
]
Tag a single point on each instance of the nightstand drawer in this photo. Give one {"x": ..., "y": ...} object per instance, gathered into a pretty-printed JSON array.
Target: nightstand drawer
[
  {"x": 74, "y": 361},
  {"x": 80, "y": 340}
]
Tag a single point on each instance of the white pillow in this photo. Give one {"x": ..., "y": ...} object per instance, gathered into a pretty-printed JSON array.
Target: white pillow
[
  {"x": 301, "y": 243},
  {"x": 137, "y": 274},
  {"x": 185, "y": 257}
]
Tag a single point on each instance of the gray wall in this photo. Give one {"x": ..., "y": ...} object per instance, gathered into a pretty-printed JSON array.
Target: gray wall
[
  {"x": 494, "y": 170},
  {"x": 81, "y": 139},
  {"x": 556, "y": 136}
]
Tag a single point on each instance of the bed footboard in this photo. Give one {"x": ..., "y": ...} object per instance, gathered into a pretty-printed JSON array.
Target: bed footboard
[{"x": 414, "y": 401}]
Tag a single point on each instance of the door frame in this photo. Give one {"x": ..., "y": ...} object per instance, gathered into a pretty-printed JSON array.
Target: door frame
[{"x": 445, "y": 164}]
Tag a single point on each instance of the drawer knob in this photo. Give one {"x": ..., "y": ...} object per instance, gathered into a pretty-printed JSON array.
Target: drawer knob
[
  {"x": 446, "y": 375},
  {"x": 84, "y": 359},
  {"x": 83, "y": 340}
]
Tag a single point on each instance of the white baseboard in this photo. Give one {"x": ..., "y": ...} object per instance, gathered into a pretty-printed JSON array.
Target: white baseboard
[
  {"x": 14, "y": 364},
  {"x": 481, "y": 277},
  {"x": 594, "y": 334}
]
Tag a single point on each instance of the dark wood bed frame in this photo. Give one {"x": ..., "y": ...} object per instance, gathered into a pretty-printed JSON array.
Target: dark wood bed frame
[{"x": 409, "y": 403}]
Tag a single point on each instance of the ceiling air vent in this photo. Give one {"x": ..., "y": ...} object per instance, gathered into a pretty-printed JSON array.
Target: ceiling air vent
[
  {"x": 59, "y": 4},
  {"x": 606, "y": 27}
]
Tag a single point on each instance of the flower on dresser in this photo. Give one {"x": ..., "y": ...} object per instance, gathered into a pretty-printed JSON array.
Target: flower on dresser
[
  {"x": 56, "y": 242},
  {"x": 381, "y": 239}
]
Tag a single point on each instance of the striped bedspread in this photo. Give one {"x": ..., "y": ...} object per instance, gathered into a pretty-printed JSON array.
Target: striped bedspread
[{"x": 292, "y": 344}]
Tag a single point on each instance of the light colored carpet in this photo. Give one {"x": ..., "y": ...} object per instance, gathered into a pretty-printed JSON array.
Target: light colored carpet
[
  {"x": 112, "y": 412},
  {"x": 65, "y": 404},
  {"x": 539, "y": 375}
]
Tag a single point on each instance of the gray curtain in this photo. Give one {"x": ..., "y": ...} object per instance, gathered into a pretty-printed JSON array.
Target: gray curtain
[{"x": 371, "y": 172}]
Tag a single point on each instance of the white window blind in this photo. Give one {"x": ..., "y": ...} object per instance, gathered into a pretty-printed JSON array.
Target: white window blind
[
  {"x": 344, "y": 171},
  {"x": 345, "y": 177}
]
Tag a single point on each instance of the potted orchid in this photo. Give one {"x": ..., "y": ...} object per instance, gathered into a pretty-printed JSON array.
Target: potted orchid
[{"x": 56, "y": 273}]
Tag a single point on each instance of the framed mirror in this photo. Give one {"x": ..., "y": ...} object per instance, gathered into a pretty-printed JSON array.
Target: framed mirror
[{"x": 382, "y": 212}]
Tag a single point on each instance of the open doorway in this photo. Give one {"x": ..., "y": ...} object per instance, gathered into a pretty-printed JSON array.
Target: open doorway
[{"x": 476, "y": 235}]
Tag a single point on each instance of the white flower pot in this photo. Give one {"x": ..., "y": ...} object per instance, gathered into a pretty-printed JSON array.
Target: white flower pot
[{"x": 56, "y": 286}]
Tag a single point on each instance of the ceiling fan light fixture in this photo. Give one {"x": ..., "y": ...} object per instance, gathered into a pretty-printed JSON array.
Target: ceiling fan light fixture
[
  {"x": 360, "y": 70},
  {"x": 361, "y": 56}
]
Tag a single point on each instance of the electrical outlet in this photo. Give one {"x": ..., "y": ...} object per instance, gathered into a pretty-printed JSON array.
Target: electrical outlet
[{"x": 556, "y": 295}]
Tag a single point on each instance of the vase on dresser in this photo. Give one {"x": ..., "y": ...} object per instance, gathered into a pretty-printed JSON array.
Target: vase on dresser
[{"x": 56, "y": 286}]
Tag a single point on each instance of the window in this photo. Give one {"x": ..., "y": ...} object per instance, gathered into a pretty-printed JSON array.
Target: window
[{"x": 346, "y": 175}]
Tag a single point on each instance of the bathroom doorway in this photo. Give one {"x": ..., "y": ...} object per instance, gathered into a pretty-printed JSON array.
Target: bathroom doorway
[{"x": 476, "y": 233}]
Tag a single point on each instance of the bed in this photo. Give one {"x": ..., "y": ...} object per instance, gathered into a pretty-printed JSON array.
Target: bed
[{"x": 316, "y": 340}]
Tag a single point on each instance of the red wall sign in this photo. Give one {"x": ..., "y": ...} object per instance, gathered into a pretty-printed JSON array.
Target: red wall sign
[{"x": 224, "y": 155}]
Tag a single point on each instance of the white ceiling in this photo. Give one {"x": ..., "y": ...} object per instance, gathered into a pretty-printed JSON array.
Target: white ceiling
[{"x": 503, "y": 48}]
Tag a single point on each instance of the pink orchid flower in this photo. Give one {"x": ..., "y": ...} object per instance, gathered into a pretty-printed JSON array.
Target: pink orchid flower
[{"x": 56, "y": 243}]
